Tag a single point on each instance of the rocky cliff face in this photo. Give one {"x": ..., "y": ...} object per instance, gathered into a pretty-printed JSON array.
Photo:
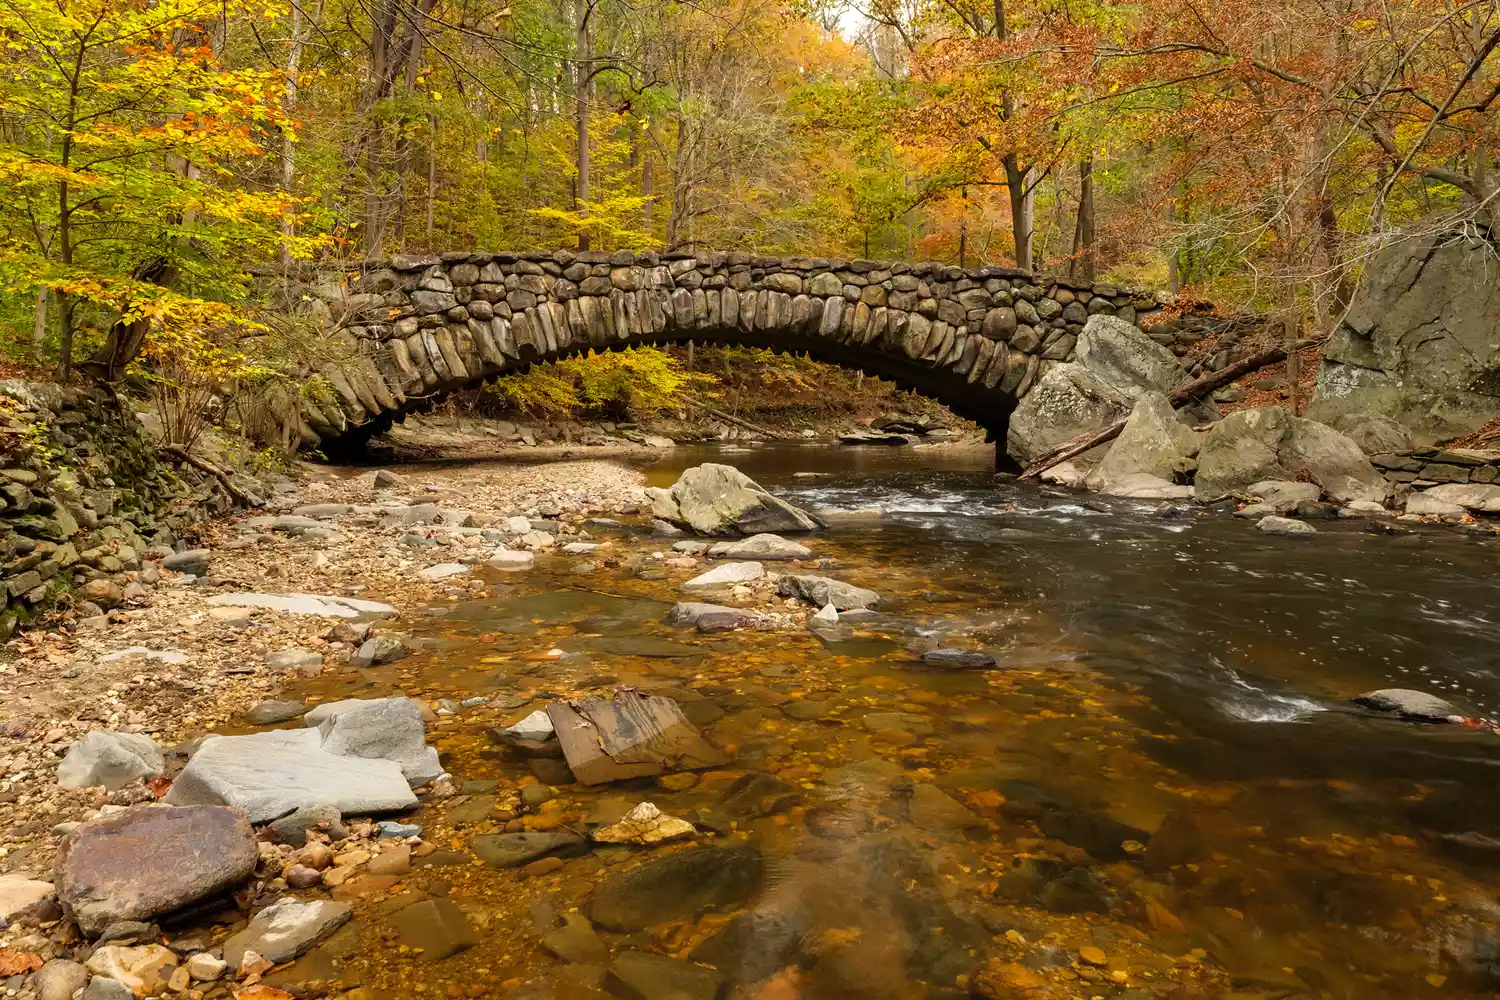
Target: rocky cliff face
[
  {"x": 83, "y": 497},
  {"x": 1421, "y": 343}
]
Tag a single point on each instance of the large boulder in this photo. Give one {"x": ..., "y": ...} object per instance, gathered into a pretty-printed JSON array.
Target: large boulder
[
  {"x": 151, "y": 860},
  {"x": 273, "y": 773},
  {"x": 721, "y": 500},
  {"x": 1124, "y": 357},
  {"x": 1268, "y": 443},
  {"x": 110, "y": 761},
  {"x": 1419, "y": 341},
  {"x": 383, "y": 729},
  {"x": 1375, "y": 433},
  {"x": 1066, "y": 401},
  {"x": 1153, "y": 443}
]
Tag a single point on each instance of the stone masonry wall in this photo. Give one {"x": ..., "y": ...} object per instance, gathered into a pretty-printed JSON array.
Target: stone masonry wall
[
  {"x": 83, "y": 495},
  {"x": 416, "y": 327}
]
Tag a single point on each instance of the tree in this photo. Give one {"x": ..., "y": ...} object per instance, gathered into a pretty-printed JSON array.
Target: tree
[{"x": 125, "y": 130}]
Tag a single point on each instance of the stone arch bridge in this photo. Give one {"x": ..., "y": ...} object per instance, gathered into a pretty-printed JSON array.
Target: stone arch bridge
[{"x": 415, "y": 328}]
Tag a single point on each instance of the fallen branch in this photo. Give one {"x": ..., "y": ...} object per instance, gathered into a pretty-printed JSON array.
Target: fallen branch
[
  {"x": 1207, "y": 383},
  {"x": 720, "y": 415},
  {"x": 181, "y": 454}
]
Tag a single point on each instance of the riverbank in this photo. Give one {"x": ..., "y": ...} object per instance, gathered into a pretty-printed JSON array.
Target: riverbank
[{"x": 171, "y": 666}]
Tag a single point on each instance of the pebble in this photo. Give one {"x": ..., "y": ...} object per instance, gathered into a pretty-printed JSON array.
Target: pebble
[{"x": 1093, "y": 955}]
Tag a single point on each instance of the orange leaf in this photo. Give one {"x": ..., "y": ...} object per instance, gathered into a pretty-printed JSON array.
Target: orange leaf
[{"x": 14, "y": 963}]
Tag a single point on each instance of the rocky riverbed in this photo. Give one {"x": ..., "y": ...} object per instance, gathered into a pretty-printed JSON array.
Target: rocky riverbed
[{"x": 865, "y": 773}]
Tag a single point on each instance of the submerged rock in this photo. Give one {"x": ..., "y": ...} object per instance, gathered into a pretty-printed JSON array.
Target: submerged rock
[
  {"x": 511, "y": 850},
  {"x": 716, "y": 499},
  {"x": 1417, "y": 706},
  {"x": 958, "y": 659},
  {"x": 436, "y": 927},
  {"x": 1272, "y": 524},
  {"x": 644, "y": 824},
  {"x": 645, "y": 976},
  {"x": 151, "y": 860},
  {"x": 667, "y": 888}
]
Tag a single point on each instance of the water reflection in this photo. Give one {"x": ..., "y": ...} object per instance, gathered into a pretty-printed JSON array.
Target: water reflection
[{"x": 1159, "y": 792}]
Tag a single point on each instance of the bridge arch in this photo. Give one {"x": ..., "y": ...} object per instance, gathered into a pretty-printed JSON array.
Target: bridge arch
[{"x": 418, "y": 328}]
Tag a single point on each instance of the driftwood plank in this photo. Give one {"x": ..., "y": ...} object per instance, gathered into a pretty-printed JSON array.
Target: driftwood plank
[{"x": 631, "y": 735}]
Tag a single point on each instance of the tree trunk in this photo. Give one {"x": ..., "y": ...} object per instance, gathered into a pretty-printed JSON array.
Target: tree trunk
[
  {"x": 583, "y": 81},
  {"x": 1021, "y": 222},
  {"x": 1083, "y": 241},
  {"x": 39, "y": 327}
]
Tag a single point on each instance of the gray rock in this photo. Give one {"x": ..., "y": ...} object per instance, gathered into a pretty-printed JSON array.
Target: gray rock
[
  {"x": 1263, "y": 443},
  {"x": 511, "y": 850},
  {"x": 271, "y": 774},
  {"x": 580, "y": 548},
  {"x": 110, "y": 760},
  {"x": 194, "y": 561},
  {"x": 59, "y": 979},
  {"x": 272, "y": 711},
  {"x": 821, "y": 591},
  {"x": 762, "y": 546},
  {"x": 1470, "y": 496},
  {"x": 644, "y": 976},
  {"x": 293, "y": 828},
  {"x": 324, "y": 605},
  {"x": 128, "y": 932},
  {"x": 151, "y": 860},
  {"x": 724, "y": 576},
  {"x": 436, "y": 928},
  {"x": 721, "y": 500},
  {"x": 1144, "y": 486},
  {"x": 688, "y": 612},
  {"x": 1417, "y": 344},
  {"x": 293, "y": 659},
  {"x": 1124, "y": 357},
  {"x": 383, "y": 729},
  {"x": 100, "y": 988},
  {"x": 1153, "y": 442},
  {"x": 575, "y": 941},
  {"x": 379, "y": 649},
  {"x": 1282, "y": 494},
  {"x": 1418, "y": 706},
  {"x": 958, "y": 659},
  {"x": 511, "y": 561},
  {"x": 286, "y": 929},
  {"x": 1068, "y": 400},
  {"x": 676, "y": 885},
  {"x": 385, "y": 479},
  {"x": 1273, "y": 524},
  {"x": 1425, "y": 504},
  {"x": 1374, "y": 433},
  {"x": 826, "y": 615}
]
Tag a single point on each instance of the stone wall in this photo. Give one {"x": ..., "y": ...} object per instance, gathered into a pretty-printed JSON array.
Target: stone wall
[
  {"x": 83, "y": 495},
  {"x": 414, "y": 328},
  {"x": 1421, "y": 468}
]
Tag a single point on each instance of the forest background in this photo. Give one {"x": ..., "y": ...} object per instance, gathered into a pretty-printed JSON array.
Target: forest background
[{"x": 157, "y": 154}]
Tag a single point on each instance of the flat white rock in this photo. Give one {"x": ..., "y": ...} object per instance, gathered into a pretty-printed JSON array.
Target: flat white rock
[
  {"x": 270, "y": 774},
  {"x": 324, "y": 605},
  {"x": 726, "y": 575},
  {"x": 442, "y": 571}
]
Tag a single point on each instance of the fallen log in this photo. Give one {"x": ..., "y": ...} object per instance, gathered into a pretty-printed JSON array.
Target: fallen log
[
  {"x": 181, "y": 454},
  {"x": 720, "y": 415},
  {"x": 1207, "y": 383}
]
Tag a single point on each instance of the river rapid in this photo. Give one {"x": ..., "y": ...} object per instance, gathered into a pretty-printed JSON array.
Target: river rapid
[{"x": 1161, "y": 789}]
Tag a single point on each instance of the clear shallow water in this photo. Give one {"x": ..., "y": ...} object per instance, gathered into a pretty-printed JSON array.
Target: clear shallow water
[{"x": 1175, "y": 686}]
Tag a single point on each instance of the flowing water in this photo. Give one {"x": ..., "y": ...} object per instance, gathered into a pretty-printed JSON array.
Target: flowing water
[{"x": 1163, "y": 768}]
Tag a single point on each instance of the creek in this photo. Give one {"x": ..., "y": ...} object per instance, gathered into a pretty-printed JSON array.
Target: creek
[{"x": 1162, "y": 774}]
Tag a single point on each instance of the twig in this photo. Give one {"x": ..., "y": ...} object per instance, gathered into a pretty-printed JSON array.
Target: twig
[{"x": 1208, "y": 383}]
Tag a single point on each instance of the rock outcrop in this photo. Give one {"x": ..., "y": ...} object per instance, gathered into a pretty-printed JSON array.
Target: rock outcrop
[
  {"x": 716, "y": 499},
  {"x": 1419, "y": 343},
  {"x": 1268, "y": 443}
]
